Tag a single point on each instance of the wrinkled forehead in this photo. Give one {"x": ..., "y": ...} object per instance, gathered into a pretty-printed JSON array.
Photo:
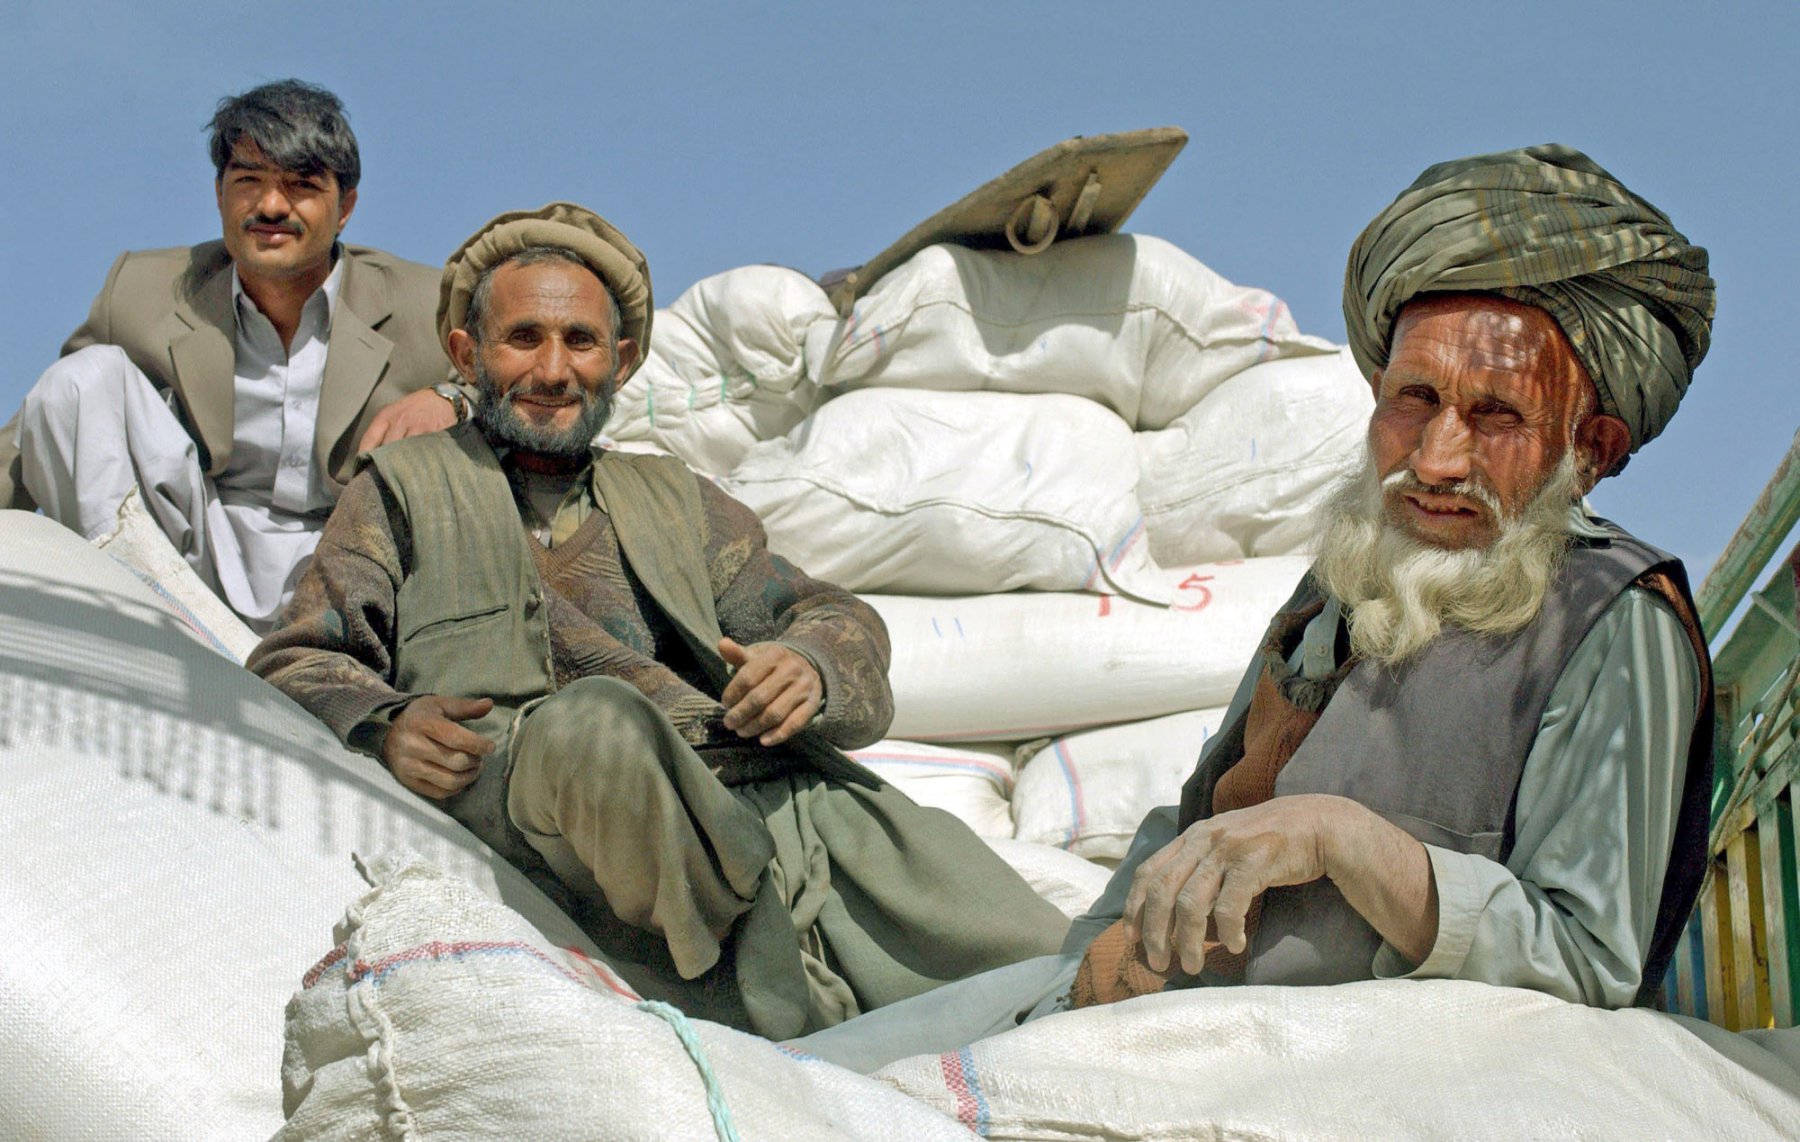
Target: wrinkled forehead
[
  {"x": 549, "y": 293},
  {"x": 1505, "y": 344}
]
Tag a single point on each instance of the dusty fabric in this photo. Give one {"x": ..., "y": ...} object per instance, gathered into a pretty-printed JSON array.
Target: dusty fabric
[
  {"x": 1548, "y": 227},
  {"x": 596, "y": 241},
  {"x": 787, "y": 901},
  {"x": 1283, "y": 710},
  {"x": 868, "y": 898}
]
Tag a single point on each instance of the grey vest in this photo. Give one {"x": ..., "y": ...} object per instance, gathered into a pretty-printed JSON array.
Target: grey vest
[
  {"x": 1437, "y": 747},
  {"x": 471, "y": 615}
]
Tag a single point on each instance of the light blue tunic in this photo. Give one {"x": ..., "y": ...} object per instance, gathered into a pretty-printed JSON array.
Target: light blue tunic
[{"x": 1570, "y": 913}]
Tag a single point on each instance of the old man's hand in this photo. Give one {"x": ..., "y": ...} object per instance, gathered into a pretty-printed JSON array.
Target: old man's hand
[
  {"x": 412, "y": 415},
  {"x": 773, "y": 693},
  {"x": 429, "y": 751},
  {"x": 1214, "y": 870}
]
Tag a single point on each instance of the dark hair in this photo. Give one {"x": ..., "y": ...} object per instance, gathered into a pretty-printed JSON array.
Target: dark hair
[
  {"x": 298, "y": 126},
  {"x": 530, "y": 256}
]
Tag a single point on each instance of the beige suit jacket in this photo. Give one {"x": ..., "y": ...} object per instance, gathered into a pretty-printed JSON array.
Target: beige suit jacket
[{"x": 170, "y": 310}]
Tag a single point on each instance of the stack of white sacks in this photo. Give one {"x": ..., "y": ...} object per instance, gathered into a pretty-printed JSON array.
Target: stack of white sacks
[{"x": 1074, "y": 485}]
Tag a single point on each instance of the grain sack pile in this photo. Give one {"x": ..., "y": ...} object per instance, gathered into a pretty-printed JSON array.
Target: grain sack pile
[{"x": 1075, "y": 485}]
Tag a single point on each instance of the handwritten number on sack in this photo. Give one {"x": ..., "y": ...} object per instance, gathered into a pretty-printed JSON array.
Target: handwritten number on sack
[{"x": 1202, "y": 597}]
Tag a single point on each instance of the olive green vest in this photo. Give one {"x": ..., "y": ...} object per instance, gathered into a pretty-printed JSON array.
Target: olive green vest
[{"x": 471, "y": 620}]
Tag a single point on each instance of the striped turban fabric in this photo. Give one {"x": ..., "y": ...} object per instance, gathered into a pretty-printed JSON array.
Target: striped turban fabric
[{"x": 1548, "y": 227}]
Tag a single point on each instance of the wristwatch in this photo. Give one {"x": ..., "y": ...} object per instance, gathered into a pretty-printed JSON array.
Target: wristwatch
[{"x": 455, "y": 396}]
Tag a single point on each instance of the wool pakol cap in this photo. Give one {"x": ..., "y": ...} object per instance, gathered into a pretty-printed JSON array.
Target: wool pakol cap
[
  {"x": 1549, "y": 227},
  {"x": 577, "y": 229}
]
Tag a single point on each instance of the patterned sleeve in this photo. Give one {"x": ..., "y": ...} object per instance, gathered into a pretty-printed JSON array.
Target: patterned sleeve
[
  {"x": 332, "y": 651},
  {"x": 761, "y": 597}
]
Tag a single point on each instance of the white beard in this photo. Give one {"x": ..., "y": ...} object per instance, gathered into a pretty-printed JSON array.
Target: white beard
[{"x": 1402, "y": 591}]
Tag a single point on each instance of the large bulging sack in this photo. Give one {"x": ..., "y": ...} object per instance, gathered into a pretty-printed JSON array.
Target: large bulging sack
[
  {"x": 1127, "y": 320},
  {"x": 1025, "y": 665},
  {"x": 973, "y": 783},
  {"x": 1401, "y": 1058},
  {"x": 1245, "y": 471},
  {"x": 928, "y": 493},
  {"x": 441, "y": 1014},
  {"x": 1087, "y": 792},
  {"x": 726, "y": 368},
  {"x": 177, "y": 832}
]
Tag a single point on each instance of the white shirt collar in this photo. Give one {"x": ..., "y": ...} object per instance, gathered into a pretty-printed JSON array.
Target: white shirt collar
[{"x": 329, "y": 290}]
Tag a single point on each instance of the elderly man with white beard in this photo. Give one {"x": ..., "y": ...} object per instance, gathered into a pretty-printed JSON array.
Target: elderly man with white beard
[{"x": 1476, "y": 741}]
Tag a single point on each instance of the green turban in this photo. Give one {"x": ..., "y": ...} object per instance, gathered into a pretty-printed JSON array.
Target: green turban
[{"x": 1548, "y": 227}]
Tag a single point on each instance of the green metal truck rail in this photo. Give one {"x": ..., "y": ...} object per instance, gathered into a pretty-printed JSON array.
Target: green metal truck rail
[{"x": 1739, "y": 963}]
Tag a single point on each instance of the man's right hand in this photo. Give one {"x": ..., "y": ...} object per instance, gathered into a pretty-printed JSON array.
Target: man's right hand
[{"x": 429, "y": 751}]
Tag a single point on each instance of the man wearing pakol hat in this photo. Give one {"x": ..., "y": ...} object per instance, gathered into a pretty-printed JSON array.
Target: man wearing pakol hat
[
  {"x": 230, "y": 385},
  {"x": 1475, "y": 744},
  {"x": 594, "y": 662}
]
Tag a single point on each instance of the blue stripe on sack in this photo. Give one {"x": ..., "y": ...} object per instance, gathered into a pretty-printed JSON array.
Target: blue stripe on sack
[
  {"x": 1077, "y": 814},
  {"x": 967, "y": 1056}
]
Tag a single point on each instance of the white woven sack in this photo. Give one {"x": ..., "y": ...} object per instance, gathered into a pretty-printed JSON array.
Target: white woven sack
[
  {"x": 443, "y": 1015},
  {"x": 972, "y": 782},
  {"x": 176, "y": 833},
  {"x": 1070, "y": 883},
  {"x": 930, "y": 493},
  {"x": 1245, "y": 471},
  {"x": 1026, "y": 665},
  {"x": 1123, "y": 319},
  {"x": 139, "y": 543},
  {"x": 726, "y": 368},
  {"x": 1087, "y": 792},
  {"x": 1387, "y": 1059}
]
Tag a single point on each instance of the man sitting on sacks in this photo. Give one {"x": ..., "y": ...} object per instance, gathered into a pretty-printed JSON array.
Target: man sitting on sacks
[
  {"x": 231, "y": 384},
  {"x": 593, "y": 661},
  {"x": 1476, "y": 742}
]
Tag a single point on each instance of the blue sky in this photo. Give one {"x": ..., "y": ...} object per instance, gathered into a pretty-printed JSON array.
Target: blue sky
[{"x": 812, "y": 135}]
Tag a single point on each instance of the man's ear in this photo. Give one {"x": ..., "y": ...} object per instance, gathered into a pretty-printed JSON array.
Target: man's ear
[
  {"x": 462, "y": 353},
  {"x": 624, "y": 361},
  {"x": 346, "y": 203},
  {"x": 1604, "y": 440}
]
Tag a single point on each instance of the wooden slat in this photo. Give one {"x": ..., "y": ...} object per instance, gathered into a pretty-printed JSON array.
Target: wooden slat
[
  {"x": 1721, "y": 975},
  {"x": 1696, "y": 965},
  {"x": 1758, "y": 538},
  {"x": 1786, "y": 886},
  {"x": 1749, "y": 943},
  {"x": 1775, "y": 841},
  {"x": 1684, "y": 997}
]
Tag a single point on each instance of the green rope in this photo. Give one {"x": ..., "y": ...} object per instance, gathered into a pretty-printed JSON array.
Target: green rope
[{"x": 715, "y": 1094}]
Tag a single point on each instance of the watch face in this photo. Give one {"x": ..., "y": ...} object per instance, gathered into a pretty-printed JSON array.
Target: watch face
[{"x": 455, "y": 396}]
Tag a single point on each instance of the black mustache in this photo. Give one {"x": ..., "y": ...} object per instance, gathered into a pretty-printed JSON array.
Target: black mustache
[{"x": 290, "y": 225}]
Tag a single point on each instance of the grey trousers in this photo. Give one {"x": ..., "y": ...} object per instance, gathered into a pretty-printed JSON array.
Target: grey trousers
[
  {"x": 994, "y": 1001},
  {"x": 826, "y": 899}
]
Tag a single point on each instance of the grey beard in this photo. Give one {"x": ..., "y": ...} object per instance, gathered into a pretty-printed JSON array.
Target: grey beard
[
  {"x": 504, "y": 427},
  {"x": 1403, "y": 591}
]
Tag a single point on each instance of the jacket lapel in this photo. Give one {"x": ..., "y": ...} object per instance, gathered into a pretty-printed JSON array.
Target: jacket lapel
[
  {"x": 355, "y": 359},
  {"x": 200, "y": 332}
]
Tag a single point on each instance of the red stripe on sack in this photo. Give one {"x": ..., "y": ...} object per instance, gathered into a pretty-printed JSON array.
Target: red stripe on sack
[
  {"x": 332, "y": 958},
  {"x": 438, "y": 950},
  {"x": 968, "y": 1110},
  {"x": 604, "y": 974}
]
